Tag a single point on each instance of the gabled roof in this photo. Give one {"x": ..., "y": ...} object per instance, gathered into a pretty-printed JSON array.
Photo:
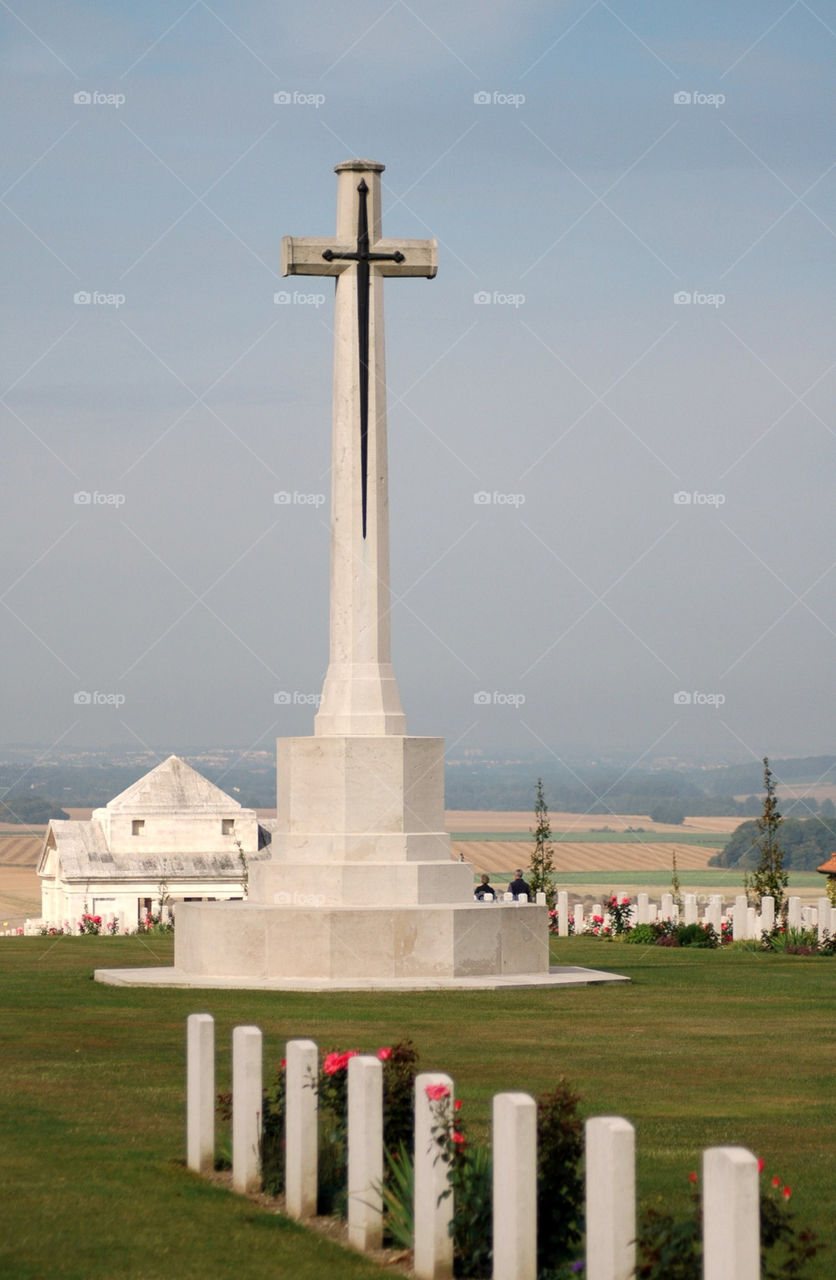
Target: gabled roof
[
  {"x": 829, "y": 867},
  {"x": 173, "y": 787}
]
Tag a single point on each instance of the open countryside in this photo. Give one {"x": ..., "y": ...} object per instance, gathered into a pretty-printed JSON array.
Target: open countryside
[{"x": 593, "y": 855}]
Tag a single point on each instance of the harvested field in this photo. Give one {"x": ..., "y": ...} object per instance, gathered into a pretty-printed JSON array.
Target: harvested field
[
  {"x": 506, "y": 820},
  {"x": 20, "y": 851},
  {"x": 20, "y": 886},
  {"x": 506, "y": 855},
  {"x": 20, "y": 895}
]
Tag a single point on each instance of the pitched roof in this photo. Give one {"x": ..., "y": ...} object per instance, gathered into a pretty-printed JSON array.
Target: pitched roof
[
  {"x": 173, "y": 787},
  {"x": 829, "y": 867}
]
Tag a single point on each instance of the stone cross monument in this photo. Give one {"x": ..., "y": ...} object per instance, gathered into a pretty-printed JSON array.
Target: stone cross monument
[
  {"x": 360, "y": 695},
  {"x": 360, "y": 883}
]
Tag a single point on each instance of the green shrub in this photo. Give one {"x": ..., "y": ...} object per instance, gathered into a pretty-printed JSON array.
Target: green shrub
[{"x": 642, "y": 934}]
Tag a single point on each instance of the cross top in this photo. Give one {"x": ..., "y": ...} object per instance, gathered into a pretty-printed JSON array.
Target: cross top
[{"x": 360, "y": 694}]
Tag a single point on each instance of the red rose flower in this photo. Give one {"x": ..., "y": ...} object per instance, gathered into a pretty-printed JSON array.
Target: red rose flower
[
  {"x": 383, "y": 1054},
  {"x": 435, "y": 1092}
]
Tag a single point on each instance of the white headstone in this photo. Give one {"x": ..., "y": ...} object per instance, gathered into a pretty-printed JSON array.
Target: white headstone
[
  {"x": 610, "y": 1198},
  {"x": 514, "y": 1187},
  {"x": 200, "y": 1092},
  {"x": 740, "y": 917},
  {"x": 690, "y": 908},
  {"x": 667, "y": 910},
  {"x": 767, "y": 921},
  {"x": 365, "y": 1152},
  {"x": 642, "y": 903},
  {"x": 433, "y": 1256},
  {"x": 563, "y": 913},
  {"x": 731, "y": 1218},
  {"x": 578, "y": 917},
  {"x": 247, "y": 1104},
  {"x": 824, "y": 922},
  {"x": 301, "y": 1133},
  {"x": 794, "y": 913}
]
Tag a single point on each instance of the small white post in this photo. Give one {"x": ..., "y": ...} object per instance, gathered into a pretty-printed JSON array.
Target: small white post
[
  {"x": 301, "y": 1127},
  {"x": 740, "y": 917},
  {"x": 825, "y": 918},
  {"x": 731, "y": 1215},
  {"x": 200, "y": 1092},
  {"x": 667, "y": 907},
  {"x": 540, "y": 898},
  {"x": 579, "y": 920},
  {"x": 247, "y": 1104},
  {"x": 794, "y": 913},
  {"x": 690, "y": 908},
  {"x": 610, "y": 1198},
  {"x": 365, "y": 1152},
  {"x": 642, "y": 903},
  {"x": 563, "y": 913},
  {"x": 767, "y": 920},
  {"x": 433, "y": 1255},
  {"x": 751, "y": 923},
  {"x": 714, "y": 912},
  {"x": 514, "y": 1187}
]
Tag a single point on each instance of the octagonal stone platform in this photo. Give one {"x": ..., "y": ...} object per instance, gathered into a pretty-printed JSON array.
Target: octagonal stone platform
[{"x": 378, "y": 942}]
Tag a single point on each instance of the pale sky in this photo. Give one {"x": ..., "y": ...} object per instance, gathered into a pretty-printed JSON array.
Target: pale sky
[{"x": 155, "y": 155}]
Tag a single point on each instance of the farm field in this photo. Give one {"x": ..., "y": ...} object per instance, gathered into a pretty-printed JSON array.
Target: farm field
[
  {"x": 617, "y": 855},
  {"x": 591, "y": 864},
  {"x": 565, "y": 823}
]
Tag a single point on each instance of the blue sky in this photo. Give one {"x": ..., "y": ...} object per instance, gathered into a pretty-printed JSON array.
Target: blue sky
[{"x": 581, "y": 198}]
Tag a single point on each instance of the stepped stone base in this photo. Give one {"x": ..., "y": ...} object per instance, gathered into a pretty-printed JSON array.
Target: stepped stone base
[
  {"x": 352, "y": 884},
  {"x": 254, "y": 941}
]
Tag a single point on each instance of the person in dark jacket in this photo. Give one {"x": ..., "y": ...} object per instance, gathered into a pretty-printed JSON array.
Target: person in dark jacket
[
  {"x": 519, "y": 886},
  {"x": 485, "y": 889}
]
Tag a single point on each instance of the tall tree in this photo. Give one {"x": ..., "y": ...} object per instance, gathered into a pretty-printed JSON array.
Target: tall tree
[
  {"x": 769, "y": 879},
  {"x": 541, "y": 868}
]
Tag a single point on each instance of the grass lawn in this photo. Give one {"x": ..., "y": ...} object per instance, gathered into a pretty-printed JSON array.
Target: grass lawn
[{"x": 702, "y": 1048}]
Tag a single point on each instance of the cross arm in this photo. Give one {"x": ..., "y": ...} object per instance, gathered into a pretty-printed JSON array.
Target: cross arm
[
  {"x": 420, "y": 257},
  {"x": 302, "y": 256}
]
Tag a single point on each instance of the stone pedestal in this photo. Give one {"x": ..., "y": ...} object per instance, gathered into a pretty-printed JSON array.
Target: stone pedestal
[{"x": 242, "y": 939}]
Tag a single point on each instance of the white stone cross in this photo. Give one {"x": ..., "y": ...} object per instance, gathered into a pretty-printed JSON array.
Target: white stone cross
[{"x": 360, "y": 694}]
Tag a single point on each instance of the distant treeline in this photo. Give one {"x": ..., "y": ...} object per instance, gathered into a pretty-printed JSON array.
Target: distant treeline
[
  {"x": 807, "y": 843},
  {"x": 599, "y": 789},
  {"x": 29, "y": 809}
]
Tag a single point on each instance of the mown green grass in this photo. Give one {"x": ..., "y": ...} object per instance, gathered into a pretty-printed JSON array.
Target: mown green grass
[{"x": 701, "y": 1048}]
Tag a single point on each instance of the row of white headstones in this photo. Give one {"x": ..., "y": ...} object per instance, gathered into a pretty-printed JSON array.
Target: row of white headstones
[
  {"x": 730, "y": 1176},
  {"x": 746, "y": 921}
]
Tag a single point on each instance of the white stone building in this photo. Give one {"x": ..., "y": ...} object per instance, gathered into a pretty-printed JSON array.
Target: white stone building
[{"x": 173, "y": 834}]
